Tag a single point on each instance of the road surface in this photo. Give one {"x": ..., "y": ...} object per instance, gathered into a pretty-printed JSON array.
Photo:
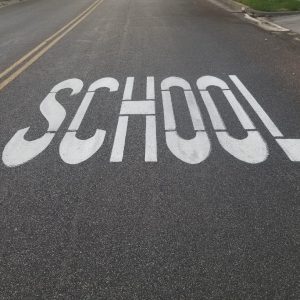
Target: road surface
[{"x": 149, "y": 150}]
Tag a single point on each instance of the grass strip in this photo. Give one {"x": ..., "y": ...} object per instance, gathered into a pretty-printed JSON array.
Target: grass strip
[{"x": 273, "y": 5}]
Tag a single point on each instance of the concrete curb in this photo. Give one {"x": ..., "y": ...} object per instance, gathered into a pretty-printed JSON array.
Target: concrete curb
[
  {"x": 261, "y": 21},
  {"x": 242, "y": 8},
  {"x": 266, "y": 24}
]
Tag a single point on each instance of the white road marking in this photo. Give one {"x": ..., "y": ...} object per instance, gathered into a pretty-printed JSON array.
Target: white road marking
[
  {"x": 213, "y": 112},
  {"x": 107, "y": 82},
  {"x": 207, "y": 81},
  {"x": 191, "y": 151},
  {"x": 239, "y": 111},
  {"x": 74, "y": 150},
  {"x": 151, "y": 140},
  {"x": 251, "y": 149},
  {"x": 127, "y": 95},
  {"x": 140, "y": 107},
  {"x": 150, "y": 93},
  {"x": 74, "y": 84},
  {"x": 194, "y": 110},
  {"x": 53, "y": 111},
  {"x": 257, "y": 107},
  {"x": 169, "y": 116},
  {"x": 120, "y": 138},
  {"x": 75, "y": 124},
  {"x": 18, "y": 150},
  {"x": 291, "y": 147},
  {"x": 175, "y": 81}
]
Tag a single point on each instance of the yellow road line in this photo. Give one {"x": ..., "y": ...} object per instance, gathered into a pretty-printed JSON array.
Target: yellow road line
[{"x": 46, "y": 42}]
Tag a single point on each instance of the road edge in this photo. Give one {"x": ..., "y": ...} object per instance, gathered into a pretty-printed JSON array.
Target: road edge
[
  {"x": 9, "y": 3},
  {"x": 260, "y": 21}
]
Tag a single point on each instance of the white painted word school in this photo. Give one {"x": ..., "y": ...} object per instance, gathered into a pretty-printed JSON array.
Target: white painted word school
[{"x": 72, "y": 150}]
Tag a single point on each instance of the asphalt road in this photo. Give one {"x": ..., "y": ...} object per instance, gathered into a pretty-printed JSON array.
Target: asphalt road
[{"x": 206, "y": 209}]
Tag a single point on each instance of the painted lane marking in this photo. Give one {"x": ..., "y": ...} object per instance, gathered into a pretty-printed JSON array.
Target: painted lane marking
[
  {"x": 127, "y": 95},
  {"x": 175, "y": 81},
  {"x": 74, "y": 150},
  {"x": 252, "y": 149},
  {"x": 213, "y": 112},
  {"x": 45, "y": 42},
  {"x": 169, "y": 116},
  {"x": 18, "y": 150},
  {"x": 150, "y": 93},
  {"x": 150, "y": 139},
  {"x": 120, "y": 138},
  {"x": 131, "y": 107},
  {"x": 291, "y": 147},
  {"x": 191, "y": 151},
  {"x": 194, "y": 111},
  {"x": 44, "y": 47},
  {"x": 257, "y": 107},
  {"x": 140, "y": 107}
]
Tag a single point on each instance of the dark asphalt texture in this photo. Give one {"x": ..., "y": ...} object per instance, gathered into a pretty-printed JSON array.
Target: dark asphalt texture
[{"x": 221, "y": 229}]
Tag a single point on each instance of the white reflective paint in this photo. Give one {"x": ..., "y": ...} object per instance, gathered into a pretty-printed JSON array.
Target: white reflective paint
[
  {"x": 53, "y": 111},
  {"x": 191, "y": 151},
  {"x": 239, "y": 111},
  {"x": 110, "y": 83},
  {"x": 236, "y": 106},
  {"x": 74, "y": 84},
  {"x": 140, "y": 107},
  {"x": 75, "y": 124},
  {"x": 175, "y": 81},
  {"x": 74, "y": 150},
  {"x": 257, "y": 107},
  {"x": 213, "y": 112},
  {"x": 206, "y": 81},
  {"x": 127, "y": 95},
  {"x": 120, "y": 138},
  {"x": 291, "y": 147},
  {"x": 18, "y": 150},
  {"x": 169, "y": 116},
  {"x": 193, "y": 107},
  {"x": 194, "y": 110},
  {"x": 151, "y": 140},
  {"x": 106, "y": 82},
  {"x": 150, "y": 93},
  {"x": 251, "y": 149}
]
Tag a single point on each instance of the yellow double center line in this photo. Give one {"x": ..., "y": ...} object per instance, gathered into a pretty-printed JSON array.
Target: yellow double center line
[{"x": 12, "y": 72}]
